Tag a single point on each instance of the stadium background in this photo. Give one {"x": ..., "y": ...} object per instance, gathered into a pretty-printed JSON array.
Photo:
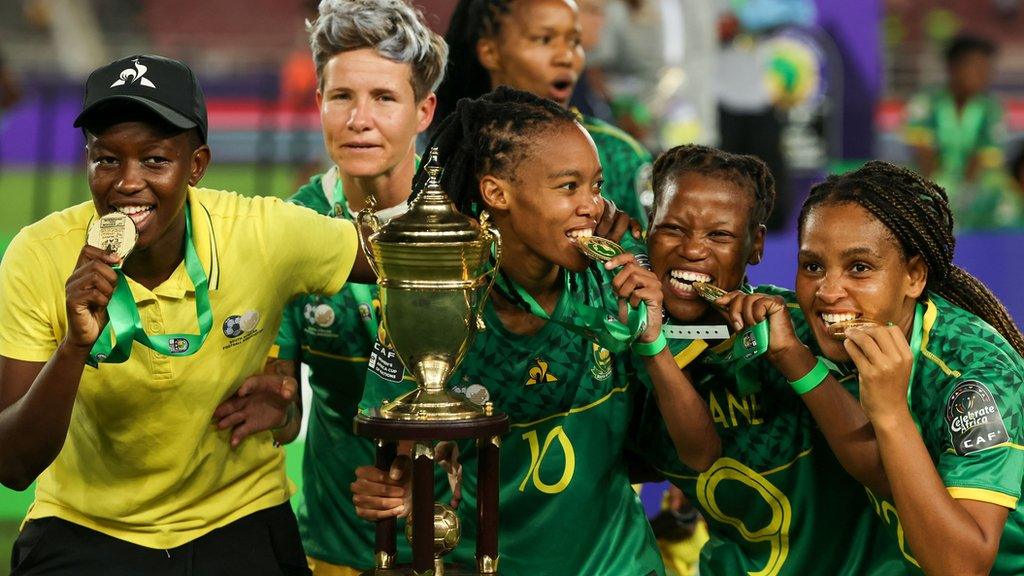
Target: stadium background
[{"x": 264, "y": 129}]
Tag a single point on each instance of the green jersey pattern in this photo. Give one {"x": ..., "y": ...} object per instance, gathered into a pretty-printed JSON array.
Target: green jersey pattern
[
  {"x": 626, "y": 164},
  {"x": 967, "y": 395},
  {"x": 331, "y": 336},
  {"x": 777, "y": 502},
  {"x": 567, "y": 506}
]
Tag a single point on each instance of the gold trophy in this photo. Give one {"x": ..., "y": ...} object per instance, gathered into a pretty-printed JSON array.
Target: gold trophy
[{"x": 434, "y": 273}]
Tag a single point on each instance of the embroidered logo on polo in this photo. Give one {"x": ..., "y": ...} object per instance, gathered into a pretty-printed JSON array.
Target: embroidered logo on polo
[
  {"x": 177, "y": 345},
  {"x": 538, "y": 373},
  {"x": 134, "y": 75},
  {"x": 240, "y": 328},
  {"x": 973, "y": 419}
]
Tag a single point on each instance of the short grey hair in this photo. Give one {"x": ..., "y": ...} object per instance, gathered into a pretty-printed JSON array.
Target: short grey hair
[{"x": 391, "y": 27}]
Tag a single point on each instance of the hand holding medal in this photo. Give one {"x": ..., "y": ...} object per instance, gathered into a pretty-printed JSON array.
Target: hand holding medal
[
  {"x": 89, "y": 289},
  {"x": 102, "y": 293}
]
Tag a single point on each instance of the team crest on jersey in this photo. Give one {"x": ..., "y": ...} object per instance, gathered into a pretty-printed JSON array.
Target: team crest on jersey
[
  {"x": 973, "y": 419},
  {"x": 602, "y": 367},
  {"x": 240, "y": 328},
  {"x": 364, "y": 311},
  {"x": 539, "y": 374}
]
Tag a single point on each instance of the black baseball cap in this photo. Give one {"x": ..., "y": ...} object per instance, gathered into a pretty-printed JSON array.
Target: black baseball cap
[{"x": 166, "y": 87}]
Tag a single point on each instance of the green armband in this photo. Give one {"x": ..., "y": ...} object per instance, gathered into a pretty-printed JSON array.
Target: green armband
[
  {"x": 651, "y": 348},
  {"x": 812, "y": 379}
]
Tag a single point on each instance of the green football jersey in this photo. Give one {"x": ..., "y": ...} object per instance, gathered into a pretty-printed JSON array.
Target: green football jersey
[
  {"x": 967, "y": 396},
  {"x": 566, "y": 504},
  {"x": 626, "y": 164},
  {"x": 333, "y": 336},
  {"x": 777, "y": 502}
]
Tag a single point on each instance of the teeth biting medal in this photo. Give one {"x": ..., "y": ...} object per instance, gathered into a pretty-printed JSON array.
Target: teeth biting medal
[{"x": 838, "y": 330}]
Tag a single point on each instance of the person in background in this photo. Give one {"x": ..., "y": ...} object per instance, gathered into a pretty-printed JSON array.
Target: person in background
[
  {"x": 377, "y": 65},
  {"x": 956, "y": 134},
  {"x": 535, "y": 46}
]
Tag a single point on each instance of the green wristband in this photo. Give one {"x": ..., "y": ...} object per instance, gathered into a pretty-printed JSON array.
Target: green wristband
[
  {"x": 651, "y": 348},
  {"x": 812, "y": 379}
]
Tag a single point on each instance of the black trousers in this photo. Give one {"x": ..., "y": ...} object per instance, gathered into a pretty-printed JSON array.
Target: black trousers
[{"x": 265, "y": 543}]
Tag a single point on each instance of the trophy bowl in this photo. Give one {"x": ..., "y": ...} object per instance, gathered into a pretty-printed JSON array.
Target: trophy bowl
[{"x": 434, "y": 272}]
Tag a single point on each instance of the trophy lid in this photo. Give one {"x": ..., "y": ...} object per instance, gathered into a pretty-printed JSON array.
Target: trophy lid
[{"x": 432, "y": 216}]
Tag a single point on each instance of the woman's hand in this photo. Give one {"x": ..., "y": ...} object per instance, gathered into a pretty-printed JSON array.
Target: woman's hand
[
  {"x": 884, "y": 363},
  {"x": 614, "y": 223},
  {"x": 743, "y": 310},
  {"x": 634, "y": 284},
  {"x": 88, "y": 291},
  {"x": 261, "y": 403}
]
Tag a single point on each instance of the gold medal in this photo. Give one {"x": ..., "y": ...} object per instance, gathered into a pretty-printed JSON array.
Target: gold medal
[
  {"x": 838, "y": 330},
  {"x": 597, "y": 248},
  {"x": 113, "y": 232},
  {"x": 709, "y": 292}
]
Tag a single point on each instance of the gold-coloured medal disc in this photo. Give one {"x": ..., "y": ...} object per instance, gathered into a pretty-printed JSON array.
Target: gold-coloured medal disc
[
  {"x": 597, "y": 248},
  {"x": 114, "y": 232},
  {"x": 709, "y": 292},
  {"x": 838, "y": 330}
]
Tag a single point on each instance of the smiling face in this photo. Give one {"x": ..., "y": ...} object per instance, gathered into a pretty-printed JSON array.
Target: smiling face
[
  {"x": 554, "y": 196},
  {"x": 851, "y": 266},
  {"x": 537, "y": 49},
  {"x": 136, "y": 169},
  {"x": 702, "y": 230},
  {"x": 369, "y": 114}
]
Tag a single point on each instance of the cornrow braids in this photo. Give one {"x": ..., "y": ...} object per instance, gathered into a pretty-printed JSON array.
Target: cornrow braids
[
  {"x": 916, "y": 211},
  {"x": 489, "y": 135},
  {"x": 466, "y": 77},
  {"x": 747, "y": 172}
]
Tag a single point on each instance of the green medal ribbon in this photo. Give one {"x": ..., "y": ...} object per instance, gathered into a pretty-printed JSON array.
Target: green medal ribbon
[
  {"x": 595, "y": 324},
  {"x": 361, "y": 292},
  {"x": 126, "y": 324},
  {"x": 750, "y": 344},
  {"x": 916, "y": 336}
]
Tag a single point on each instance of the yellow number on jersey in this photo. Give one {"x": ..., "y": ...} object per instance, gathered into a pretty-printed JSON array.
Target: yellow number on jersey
[
  {"x": 776, "y": 532},
  {"x": 537, "y": 454}
]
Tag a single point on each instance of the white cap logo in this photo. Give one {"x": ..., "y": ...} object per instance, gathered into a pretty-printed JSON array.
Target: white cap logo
[{"x": 132, "y": 75}]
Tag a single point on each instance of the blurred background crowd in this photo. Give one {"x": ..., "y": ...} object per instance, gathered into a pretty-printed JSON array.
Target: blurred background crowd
[
  {"x": 810, "y": 86},
  {"x": 813, "y": 87}
]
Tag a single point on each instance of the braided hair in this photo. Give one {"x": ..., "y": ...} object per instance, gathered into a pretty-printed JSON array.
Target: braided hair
[
  {"x": 916, "y": 211},
  {"x": 746, "y": 172},
  {"x": 492, "y": 135},
  {"x": 489, "y": 135},
  {"x": 466, "y": 77}
]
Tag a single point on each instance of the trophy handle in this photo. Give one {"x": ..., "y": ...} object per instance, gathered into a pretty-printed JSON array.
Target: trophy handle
[
  {"x": 367, "y": 218},
  {"x": 493, "y": 239}
]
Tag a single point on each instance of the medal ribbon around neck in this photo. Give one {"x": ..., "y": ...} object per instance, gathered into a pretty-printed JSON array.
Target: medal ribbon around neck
[
  {"x": 363, "y": 293},
  {"x": 126, "y": 324},
  {"x": 595, "y": 324}
]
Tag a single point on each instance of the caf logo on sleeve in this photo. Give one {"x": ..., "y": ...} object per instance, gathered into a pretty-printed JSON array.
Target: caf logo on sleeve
[{"x": 973, "y": 419}]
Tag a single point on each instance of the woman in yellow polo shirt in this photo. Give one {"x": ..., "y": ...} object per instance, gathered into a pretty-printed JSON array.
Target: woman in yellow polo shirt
[{"x": 133, "y": 475}]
